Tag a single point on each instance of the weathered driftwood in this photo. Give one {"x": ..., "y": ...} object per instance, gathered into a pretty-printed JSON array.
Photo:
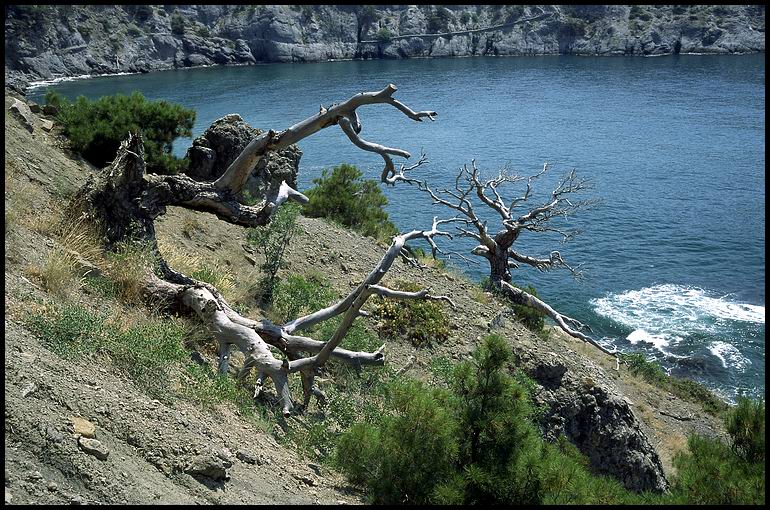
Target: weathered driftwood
[{"x": 125, "y": 201}]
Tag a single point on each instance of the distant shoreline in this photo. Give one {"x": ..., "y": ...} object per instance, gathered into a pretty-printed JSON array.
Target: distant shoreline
[{"x": 32, "y": 85}]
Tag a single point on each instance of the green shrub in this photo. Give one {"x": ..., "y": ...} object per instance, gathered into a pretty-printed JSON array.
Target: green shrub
[
  {"x": 438, "y": 20},
  {"x": 401, "y": 458},
  {"x": 712, "y": 474},
  {"x": 203, "y": 32},
  {"x": 422, "y": 322},
  {"x": 514, "y": 12},
  {"x": 366, "y": 14},
  {"x": 465, "y": 17},
  {"x": 96, "y": 128},
  {"x": 177, "y": 24},
  {"x": 133, "y": 30},
  {"x": 384, "y": 35},
  {"x": 472, "y": 444},
  {"x": 358, "y": 337},
  {"x": 272, "y": 240},
  {"x": 746, "y": 425},
  {"x": 296, "y": 296},
  {"x": 343, "y": 197},
  {"x": 532, "y": 318}
]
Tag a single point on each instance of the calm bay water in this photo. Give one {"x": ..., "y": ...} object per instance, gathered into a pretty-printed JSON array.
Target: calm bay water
[{"x": 674, "y": 147}]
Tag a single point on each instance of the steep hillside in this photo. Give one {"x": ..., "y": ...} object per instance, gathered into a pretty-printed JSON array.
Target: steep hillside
[
  {"x": 154, "y": 445},
  {"x": 47, "y": 42}
]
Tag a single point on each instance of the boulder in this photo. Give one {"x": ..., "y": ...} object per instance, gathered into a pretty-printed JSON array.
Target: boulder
[
  {"x": 213, "y": 151},
  {"x": 210, "y": 466},
  {"x": 93, "y": 447},
  {"x": 22, "y": 112}
]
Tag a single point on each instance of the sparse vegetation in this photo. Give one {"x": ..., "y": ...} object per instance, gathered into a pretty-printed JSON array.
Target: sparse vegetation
[
  {"x": 296, "y": 296},
  {"x": 384, "y": 35},
  {"x": 272, "y": 241},
  {"x": 421, "y": 322},
  {"x": 133, "y": 30},
  {"x": 653, "y": 373},
  {"x": 533, "y": 319},
  {"x": 438, "y": 20},
  {"x": 177, "y": 24},
  {"x": 61, "y": 272}
]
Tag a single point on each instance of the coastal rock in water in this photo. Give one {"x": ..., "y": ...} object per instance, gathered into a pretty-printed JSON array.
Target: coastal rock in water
[{"x": 213, "y": 151}]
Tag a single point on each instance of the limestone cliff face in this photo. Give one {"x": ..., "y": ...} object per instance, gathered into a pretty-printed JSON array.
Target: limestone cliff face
[{"x": 46, "y": 42}]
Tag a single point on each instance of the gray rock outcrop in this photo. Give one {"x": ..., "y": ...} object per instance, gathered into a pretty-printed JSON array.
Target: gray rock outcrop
[
  {"x": 45, "y": 42},
  {"x": 580, "y": 402},
  {"x": 214, "y": 150}
]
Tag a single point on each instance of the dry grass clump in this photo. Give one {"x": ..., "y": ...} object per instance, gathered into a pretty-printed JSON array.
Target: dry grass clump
[
  {"x": 76, "y": 250},
  {"x": 216, "y": 273},
  {"x": 128, "y": 266}
]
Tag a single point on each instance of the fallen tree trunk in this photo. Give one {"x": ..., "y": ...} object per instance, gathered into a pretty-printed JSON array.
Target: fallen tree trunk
[{"x": 125, "y": 202}]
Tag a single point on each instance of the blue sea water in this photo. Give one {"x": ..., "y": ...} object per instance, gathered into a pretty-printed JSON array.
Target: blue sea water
[{"x": 674, "y": 147}]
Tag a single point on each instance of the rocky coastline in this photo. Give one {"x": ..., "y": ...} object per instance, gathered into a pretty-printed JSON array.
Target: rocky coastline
[{"x": 45, "y": 42}]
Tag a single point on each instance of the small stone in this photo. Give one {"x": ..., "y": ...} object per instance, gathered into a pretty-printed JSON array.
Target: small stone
[
  {"x": 8, "y": 497},
  {"x": 53, "y": 434},
  {"x": 35, "y": 475},
  {"x": 309, "y": 480},
  {"x": 30, "y": 388},
  {"x": 34, "y": 107},
  {"x": 246, "y": 456},
  {"x": 50, "y": 109},
  {"x": 83, "y": 427},
  {"x": 93, "y": 447},
  {"x": 251, "y": 259},
  {"x": 76, "y": 500},
  {"x": 47, "y": 125},
  {"x": 53, "y": 487}
]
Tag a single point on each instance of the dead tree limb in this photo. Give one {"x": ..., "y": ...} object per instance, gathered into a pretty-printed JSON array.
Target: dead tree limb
[
  {"x": 126, "y": 201},
  {"x": 496, "y": 248}
]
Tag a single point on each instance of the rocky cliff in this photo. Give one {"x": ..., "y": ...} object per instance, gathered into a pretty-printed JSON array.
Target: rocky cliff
[{"x": 47, "y": 42}]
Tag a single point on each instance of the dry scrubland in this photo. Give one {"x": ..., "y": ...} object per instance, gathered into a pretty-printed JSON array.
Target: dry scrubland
[{"x": 156, "y": 411}]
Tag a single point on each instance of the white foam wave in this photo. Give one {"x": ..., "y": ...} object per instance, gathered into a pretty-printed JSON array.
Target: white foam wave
[
  {"x": 54, "y": 81},
  {"x": 729, "y": 355},
  {"x": 640, "y": 335},
  {"x": 663, "y": 315}
]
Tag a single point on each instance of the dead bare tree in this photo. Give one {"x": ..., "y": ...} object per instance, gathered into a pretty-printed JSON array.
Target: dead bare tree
[
  {"x": 126, "y": 201},
  {"x": 497, "y": 248}
]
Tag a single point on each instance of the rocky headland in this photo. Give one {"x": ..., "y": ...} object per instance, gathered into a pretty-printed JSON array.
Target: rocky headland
[
  {"x": 46, "y": 42},
  {"x": 153, "y": 450}
]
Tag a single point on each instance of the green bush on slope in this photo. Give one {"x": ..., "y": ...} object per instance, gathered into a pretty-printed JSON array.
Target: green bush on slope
[
  {"x": 344, "y": 197},
  {"x": 96, "y": 128},
  {"x": 476, "y": 443}
]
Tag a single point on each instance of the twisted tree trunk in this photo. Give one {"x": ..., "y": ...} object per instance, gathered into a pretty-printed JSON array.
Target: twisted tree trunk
[{"x": 125, "y": 202}]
